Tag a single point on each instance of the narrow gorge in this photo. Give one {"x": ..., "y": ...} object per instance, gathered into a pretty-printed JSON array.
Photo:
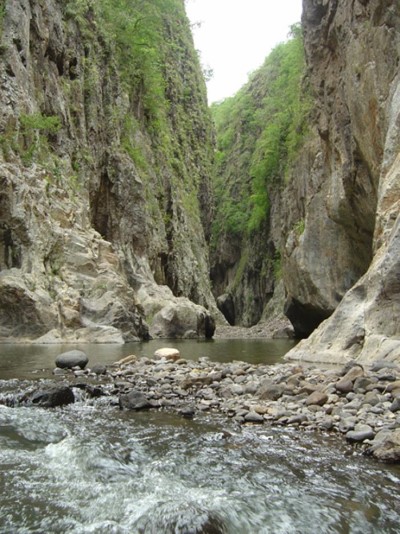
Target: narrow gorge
[{"x": 129, "y": 209}]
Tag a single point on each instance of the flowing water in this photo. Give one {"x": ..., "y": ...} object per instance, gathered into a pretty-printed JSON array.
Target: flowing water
[{"x": 91, "y": 468}]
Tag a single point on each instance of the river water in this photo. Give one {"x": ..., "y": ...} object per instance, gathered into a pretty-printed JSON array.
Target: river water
[{"x": 91, "y": 468}]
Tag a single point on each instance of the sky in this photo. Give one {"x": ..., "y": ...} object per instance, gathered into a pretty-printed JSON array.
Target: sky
[{"x": 235, "y": 36}]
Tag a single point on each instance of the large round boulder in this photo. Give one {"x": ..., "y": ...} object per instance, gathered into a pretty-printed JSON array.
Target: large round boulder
[
  {"x": 182, "y": 319},
  {"x": 72, "y": 358}
]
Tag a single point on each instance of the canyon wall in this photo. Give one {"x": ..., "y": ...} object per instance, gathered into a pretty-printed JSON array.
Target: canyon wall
[
  {"x": 352, "y": 219},
  {"x": 331, "y": 232},
  {"x": 106, "y": 145}
]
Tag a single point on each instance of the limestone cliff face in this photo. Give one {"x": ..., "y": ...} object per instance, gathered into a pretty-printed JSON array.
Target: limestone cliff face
[
  {"x": 104, "y": 192},
  {"x": 353, "y": 54}
]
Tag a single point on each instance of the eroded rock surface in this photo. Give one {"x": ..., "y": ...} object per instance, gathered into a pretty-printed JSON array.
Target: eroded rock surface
[
  {"x": 353, "y": 54},
  {"x": 91, "y": 208}
]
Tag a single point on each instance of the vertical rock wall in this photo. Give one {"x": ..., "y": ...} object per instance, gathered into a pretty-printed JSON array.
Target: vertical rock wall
[
  {"x": 353, "y": 51},
  {"x": 103, "y": 215}
]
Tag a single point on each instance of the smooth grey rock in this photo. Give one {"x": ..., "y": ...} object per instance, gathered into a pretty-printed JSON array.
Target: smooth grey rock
[
  {"x": 344, "y": 386},
  {"x": 395, "y": 406},
  {"x": 386, "y": 446},
  {"x": 253, "y": 417},
  {"x": 360, "y": 433},
  {"x": 72, "y": 358},
  {"x": 382, "y": 364},
  {"x": 99, "y": 369},
  {"x": 134, "y": 400}
]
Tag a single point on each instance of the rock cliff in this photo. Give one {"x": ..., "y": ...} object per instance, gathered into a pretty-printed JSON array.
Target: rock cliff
[
  {"x": 106, "y": 144},
  {"x": 353, "y": 53},
  {"x": 334, "y": 220}
]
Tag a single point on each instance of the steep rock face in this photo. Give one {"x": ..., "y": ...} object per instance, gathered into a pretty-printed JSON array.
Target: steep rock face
[
  {"x": 354, "y": 53},
  {"x": 104, "y": 181}
]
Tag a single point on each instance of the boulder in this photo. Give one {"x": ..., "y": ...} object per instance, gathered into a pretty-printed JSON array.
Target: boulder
[
  {"x": 167, "y": 353},
  {"x": 386, "y": 446},
  {"x": 52, "y": 396},
  {"x": 181, "y": 316},
  {"x": 360, "y": 433},
  {"x": 134, "y": 400},
  {"x": 72, "y": 358}
]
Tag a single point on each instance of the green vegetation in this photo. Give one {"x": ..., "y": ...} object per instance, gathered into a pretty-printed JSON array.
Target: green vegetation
[
  {"x": 34, "y": 129},
  {"x": 259, "y": 134},
  {"x": 299, "y": 227},
  {"x": 40, "y": 123}
]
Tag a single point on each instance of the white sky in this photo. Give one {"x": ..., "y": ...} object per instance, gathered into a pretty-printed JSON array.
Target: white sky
[{"x": 237, "y": 35}]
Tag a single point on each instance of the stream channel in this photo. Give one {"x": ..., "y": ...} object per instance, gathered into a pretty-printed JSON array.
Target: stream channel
[{"x": 91, "y": 468}]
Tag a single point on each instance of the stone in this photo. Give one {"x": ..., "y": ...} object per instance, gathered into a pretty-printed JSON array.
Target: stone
[
  {"x": 356, "y": 371},
  {"x": 253, "y": 417},
  {"x": 395, "y": 406},
  {"x": 98, "y": 369},
  {"x": 383, "y": 364},
  {"x": 371, "y": 398},
  {"x": 386, "y": 446},
  {"x": 177, "y": 318},
  {"x": 317, "y": 397},
  {"x": 344, "y": 386},
  {"x": 360, "y": 433},
  {"x": 188, "y": 412},
  {"x": 126, "y": 360},
  {"x": 167, "y": 353},
  {"x": 72, "y": 358},
  {"x": 134, "y": 400},
  {"x": 271, "y": 391},
  {"x": 52, "y": 396}
]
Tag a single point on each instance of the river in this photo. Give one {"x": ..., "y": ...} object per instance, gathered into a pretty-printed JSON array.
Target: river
[{"x": 90, "y": 468}]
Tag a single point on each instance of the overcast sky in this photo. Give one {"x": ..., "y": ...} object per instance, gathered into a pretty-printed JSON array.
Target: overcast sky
[{"x": 235, "y": 37}]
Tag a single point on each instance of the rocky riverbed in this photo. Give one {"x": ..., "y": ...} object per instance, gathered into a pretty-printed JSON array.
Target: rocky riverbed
[{"x": 362, "y": 404}]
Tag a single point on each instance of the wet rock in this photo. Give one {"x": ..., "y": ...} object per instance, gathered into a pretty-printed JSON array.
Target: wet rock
[
  {"x": 59, "y": 372},
  {"x": 99, "y": 369},
  {"x": 183, "y": 518},
  {"x": 52, "y": 396},
  {"x": 386, "y": 446},
  {"x": 360, "y": 433},
  {"x": 72, "y": 358},
  {"x": 135, "y": 400},
  {"x": 254, "y": 417},
  {"x": 188, "y": 412},
  {"x": 347, "y": 424}
]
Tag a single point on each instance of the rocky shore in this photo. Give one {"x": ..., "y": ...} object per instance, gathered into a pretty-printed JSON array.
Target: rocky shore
[{"x": 361, "y": 404}]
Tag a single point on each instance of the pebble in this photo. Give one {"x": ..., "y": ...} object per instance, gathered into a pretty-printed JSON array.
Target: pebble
[{"x": 356, "y": 402}]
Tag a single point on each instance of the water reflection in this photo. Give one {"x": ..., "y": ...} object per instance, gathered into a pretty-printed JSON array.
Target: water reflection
[{"x": 19, "y": 361}]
